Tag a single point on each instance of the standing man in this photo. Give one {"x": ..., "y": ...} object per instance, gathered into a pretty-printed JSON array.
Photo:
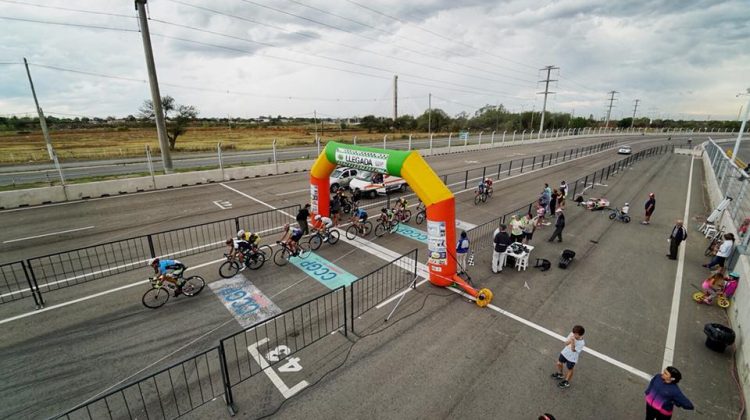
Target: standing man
[
  {"x": 650, "y": 206},
  {"x": 302, "y": 216},
  {"x": 663, "y": 394},
  {"x": 559, "y": 226},
  {"x": 462, "y": 250},
  {"x": 679, "y": 234},
  {"x": 501, "y": 241}
]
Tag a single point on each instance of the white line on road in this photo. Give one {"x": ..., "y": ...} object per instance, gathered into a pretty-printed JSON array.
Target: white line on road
[
  {"x": 256, "y": 200},
  {"x": 673, "y": 316},
  {"x": 294, "y": 192},
  {"x": 48, "y": 234}
]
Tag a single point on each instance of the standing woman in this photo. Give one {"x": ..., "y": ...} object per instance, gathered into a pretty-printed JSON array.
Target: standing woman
[
  {"x": 553, "y": 202},
  {"x": 663, "y": 394},
  {"x": 725, "y": 250},
  {"x": 561, "y": 200},
  {"x": 516, "y": 229}
]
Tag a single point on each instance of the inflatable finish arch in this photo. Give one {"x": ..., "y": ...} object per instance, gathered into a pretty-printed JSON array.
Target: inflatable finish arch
[{"x": 438, "y": 199}]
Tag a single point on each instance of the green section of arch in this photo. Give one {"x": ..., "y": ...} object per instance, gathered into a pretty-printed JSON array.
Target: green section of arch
[{"x": 366, "y": 158}]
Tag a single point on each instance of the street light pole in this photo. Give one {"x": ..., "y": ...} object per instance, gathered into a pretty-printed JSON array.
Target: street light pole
[{"x": 742, "y": 126}]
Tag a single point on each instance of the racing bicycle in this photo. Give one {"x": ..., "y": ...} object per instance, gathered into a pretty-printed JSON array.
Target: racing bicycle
[
  {"x": 384, "y": 226},
  {"x": 357, "y": 228},
  {"x": 284, "y": 253},
  {"x": 482, "y": 196},
  {"x": 317, "y": 238},
  {"x": 160, "y": 290}
]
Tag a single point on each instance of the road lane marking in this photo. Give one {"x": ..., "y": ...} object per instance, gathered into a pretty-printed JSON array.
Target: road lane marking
[
  {"x": 223, "y": 204},
  {"x": 294, "y": 192},
  {"x": 272, "y": 375},
  {"x": 49, "y": 234},
  {"x": 256, "y": 200},
  {"x": 674, "y": 314}
]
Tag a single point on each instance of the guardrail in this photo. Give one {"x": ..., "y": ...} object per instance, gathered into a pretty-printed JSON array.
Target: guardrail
[
  {"x": 68, "y": 268},
  {"x": 371, "y": 289}
]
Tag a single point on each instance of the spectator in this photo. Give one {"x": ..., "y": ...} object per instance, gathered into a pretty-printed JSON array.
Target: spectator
[
  {"x": 302, "y": 216},
  {"x": 540, "y": 212},
  {"x": 650, "y": 206},
  {"x": 564, "y": 189},
  {"x": 553, "y": 202},
  {"x": 546, "y": 416},
  {"x": 501, "y": 241},
  {"x": 462, "y": 250},
  {"x": 546, "y": 196},
  {"x": 561, "y": 200},
  {"x": 679, "y": 234},
  {"x": 569, "y": 356},
  {"x": 559, "y": 226},
  {"x": 725, "y": 250},
  {"x": 529, "y": 226},
  {"x": 516, "y": 229},
  {"x": 663, "y": 394},
  {"x": 335, "y": 208}
]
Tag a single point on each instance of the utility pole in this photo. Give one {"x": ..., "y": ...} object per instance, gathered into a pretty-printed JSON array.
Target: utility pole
[
  {"x": 497, "y": 116},
  {"x": 42, "y": 120},
  {"x": 546, "y": 92},
  {"x": 736, "y": 148},
  {"x": 429, "y": 114},
  {"x": 395, "y": 99},
  {"x": 161, "y": 126},
  {"x": 635, "y": 108},
  {"x": 609, "y": 111},
  {"x": 315, "y": 122}
]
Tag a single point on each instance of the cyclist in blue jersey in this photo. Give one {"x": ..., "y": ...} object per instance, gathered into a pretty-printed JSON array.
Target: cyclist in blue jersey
[
  {"x": 359, "y": 217},
  {"x": 169, "y": 270},
  {"x": 291, "y": 237}
]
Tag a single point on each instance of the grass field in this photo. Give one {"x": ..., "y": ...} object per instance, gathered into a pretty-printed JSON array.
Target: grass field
[{"x": 104, "y": 143}]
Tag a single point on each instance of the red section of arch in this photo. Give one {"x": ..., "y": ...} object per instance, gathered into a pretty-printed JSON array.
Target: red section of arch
[{"x": 320, "y": 199}]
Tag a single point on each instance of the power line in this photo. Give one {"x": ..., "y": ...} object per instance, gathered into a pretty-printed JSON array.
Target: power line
[
  {"x": 67, "y": 9},
  {"x": 440, "y": 35},
  {"x": 77, "y": 25}
]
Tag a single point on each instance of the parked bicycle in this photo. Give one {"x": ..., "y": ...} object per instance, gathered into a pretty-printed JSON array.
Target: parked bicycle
[
  {"x": 284, "y": 253},
  {"x": 160, "y": 290},
  {"x": 616, "y": 213}
]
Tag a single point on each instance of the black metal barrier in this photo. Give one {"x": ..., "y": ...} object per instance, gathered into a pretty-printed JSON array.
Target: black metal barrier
[
  {"x": 480, "y": 237},
  {"x": 68, "y": 268},
  {"x": 375, "y": 287}
]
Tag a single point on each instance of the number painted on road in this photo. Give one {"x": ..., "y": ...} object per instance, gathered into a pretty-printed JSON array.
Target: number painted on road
[
  {"x": 276, "y": 354},
  {"x": 292, "y": 365}
]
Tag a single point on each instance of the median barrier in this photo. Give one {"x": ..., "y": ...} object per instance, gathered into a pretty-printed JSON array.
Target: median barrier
[{"x": 31, "y": 197}]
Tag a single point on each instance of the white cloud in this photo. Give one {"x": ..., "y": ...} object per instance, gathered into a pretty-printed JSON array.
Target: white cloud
[{"x": 685, "y": 58}]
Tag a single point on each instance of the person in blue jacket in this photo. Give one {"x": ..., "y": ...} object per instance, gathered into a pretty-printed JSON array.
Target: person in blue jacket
[{"x": 663, "y": 394}]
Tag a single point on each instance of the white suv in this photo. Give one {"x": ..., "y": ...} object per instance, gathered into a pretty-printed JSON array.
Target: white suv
[
  {"x": 341, "y": 177},
  {"x": 363, "y": 182}
]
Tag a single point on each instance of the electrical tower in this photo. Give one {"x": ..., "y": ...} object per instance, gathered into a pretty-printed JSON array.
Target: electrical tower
[
  {"x": 611, "y": 101},
  {"x": 395, "y": 99},
  {"x": 546, "y": 92},
  {"x": 635, "y": 108}
]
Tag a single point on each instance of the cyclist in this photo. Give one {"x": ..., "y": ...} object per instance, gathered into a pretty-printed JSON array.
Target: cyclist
[
  {"x": 401, "y": 205},
  {"x": 323, "y": 224},
  {"x": 421, "y": 206},
  {"x": 488, "y": 185},
  {"x": 481, "y": 187},
  {"x": 295, "y": 234},
  {"x": 359, "y": 217},
  {"x": 169, "y": 270},
  {"x": 252, "y": 239},
  {"x": 386, "y": 215}
]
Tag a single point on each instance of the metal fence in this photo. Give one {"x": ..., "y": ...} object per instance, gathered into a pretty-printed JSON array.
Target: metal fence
[
  {"x": 481, "y": 236},
  {"x": 168, "y": 394},
  {"x": 463, "y": 179},
  {"x": 733, "y": 182},
  {"x": 375, "y": 287},
  {"x": 68, "y": 268}
]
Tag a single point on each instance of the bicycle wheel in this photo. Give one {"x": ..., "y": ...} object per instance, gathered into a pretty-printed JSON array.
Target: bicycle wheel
[
  {"x": 315, "y": 241},
  {"x": 394, "y": 225},
  {"x": 477, "y": 199},
  {"x": 193, "y": 285},
  {"x": 281, "y": 257},
  {"x": 484, "y": 197},
  {"x": 255, "y": 260},
  {"x": 612, "y": 215},
  {"x": 489, "y": 193},
  {"x": 155, "y": 297},
  {"x": 406, "y": 216},
  {"x": 351, "y": 232},
  {"x": 304, "y": 250},
  {"x": 333, "y": 237},
  {"x": 723, "y": 302},
  {"x": 420, "y": 217},
  {"x": 229, "y": 269},
  {"x": 698, "y": 296},
  {"x": 267, "y": 252},
  {"x": 626, "y": 218},
  {"x": 347, "y": 208},
  {"x": 709, "y": 250},
  {"x": 380, "y": 230},
  {"x": 366, "y": 228}
]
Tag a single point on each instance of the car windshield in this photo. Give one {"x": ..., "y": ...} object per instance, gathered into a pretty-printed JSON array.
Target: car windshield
[
  {"x": 337, "y": 173},
  {"x": 364, "y": 175}
]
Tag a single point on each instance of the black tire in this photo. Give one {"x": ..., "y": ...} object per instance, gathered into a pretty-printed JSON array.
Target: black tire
[
  {"x": 347, "y": 208},
  {"x": 333, "y": 237},
  {"x": 229, "y": 269},
  {"x": 304, "y": 250},
  {"x": 315, "y": 241},
  {"x": 193, "y": 285},
  {"x": 281, "y": 257},
  {"x": 477, "y": 199},
  {"x": 366, "y": 228},
  {"x": 626, "y": 218},
  {"x": 334, "y": 188},
  {"x": 402, "y": 188},
  {"x": 255, "y": 260},
  {"x": 420, "y": 217},
  {"x": 267, "y": 252},
  {"x": 612, "y": 215},
  {"x": 489, "y": 193},
  {"x": 406, "y": 216},
  {"x": 373, "y": 193},
  {"x": 394, "y": 225},
  {"x": 351, "y": 232},
  {"x": 155, "y": 297},
  {"x": 484, "y": 197},
  {"x": 380, "y": 230}
]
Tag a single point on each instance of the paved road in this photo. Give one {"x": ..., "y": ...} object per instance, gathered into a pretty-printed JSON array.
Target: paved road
[{"x": 57, "y": 347}]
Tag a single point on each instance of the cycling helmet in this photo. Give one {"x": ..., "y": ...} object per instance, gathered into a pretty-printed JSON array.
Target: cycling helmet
[
  {"x": 153, "y": 261},
  {"x": 241, "y": 233},
  {"x": 383, "y": 210},
  {"x": 318, "y": 217},
  {"x": 650, "y": 194},
  {"x": 627, "y": 204},
  {"x": 734, "y": 275}
]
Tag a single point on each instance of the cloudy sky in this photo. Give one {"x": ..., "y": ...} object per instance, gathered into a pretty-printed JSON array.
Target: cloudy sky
[{"x": 243, "y": 58}]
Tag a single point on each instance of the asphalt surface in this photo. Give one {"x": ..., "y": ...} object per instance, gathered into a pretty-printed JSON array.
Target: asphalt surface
[{"x": 467, "y": 356}]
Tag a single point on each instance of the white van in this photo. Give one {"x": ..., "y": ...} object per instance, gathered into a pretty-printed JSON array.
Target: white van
[{"x": 363, "y": 182}]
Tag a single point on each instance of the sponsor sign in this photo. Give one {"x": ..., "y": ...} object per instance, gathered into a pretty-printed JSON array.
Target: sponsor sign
[
  {"x": 438, "y": 253},
  {"x": 324, "y": 271},
  {"x": 314, "y": 199},
  {"x": 244, "y": 301},
  {"x": 361, "y": 159},
  {"x": 412, "y": 233}
]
